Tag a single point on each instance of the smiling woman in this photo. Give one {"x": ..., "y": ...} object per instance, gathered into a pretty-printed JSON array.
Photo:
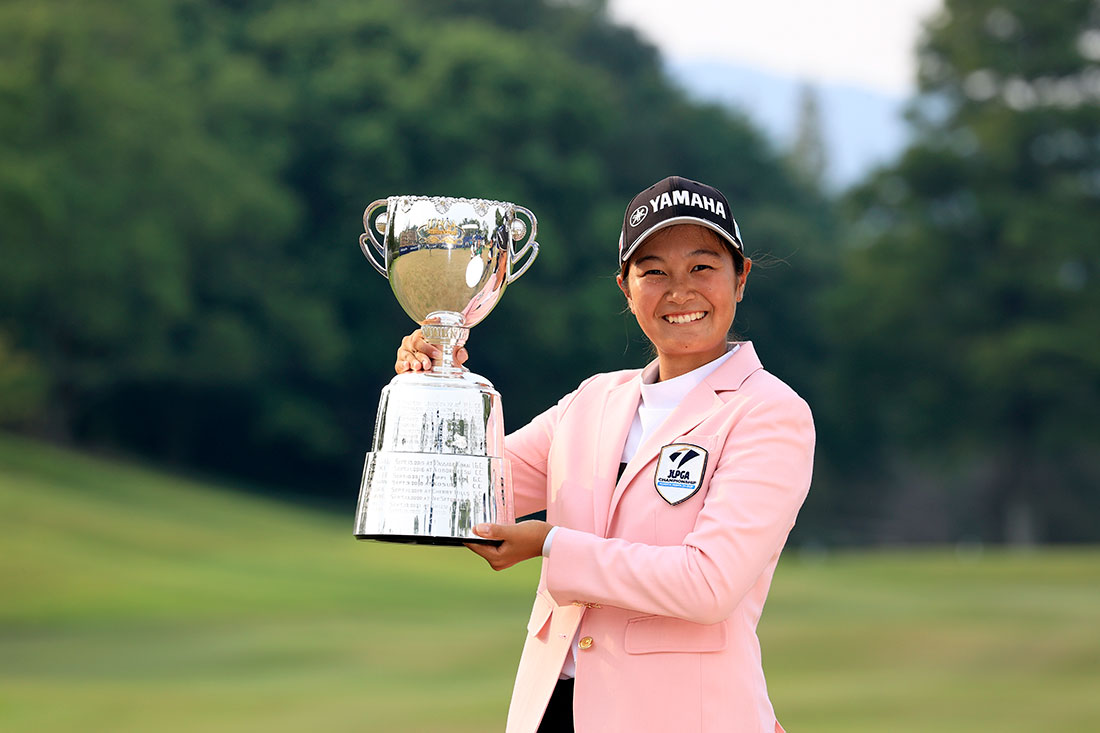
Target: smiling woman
[
  {"x": 683, "y": 285},
  {"x": 669, "y": 493}
]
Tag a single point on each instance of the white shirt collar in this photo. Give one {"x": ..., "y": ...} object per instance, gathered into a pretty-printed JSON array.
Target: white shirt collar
[{"x": 669, "y": 393}]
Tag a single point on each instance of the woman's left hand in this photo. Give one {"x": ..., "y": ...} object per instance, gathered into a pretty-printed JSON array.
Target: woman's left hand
[{"x": 522, "y": 541}]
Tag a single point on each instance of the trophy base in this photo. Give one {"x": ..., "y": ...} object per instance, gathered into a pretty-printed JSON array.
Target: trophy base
[
  {"x": 431, "y": 498},
  {"x": 409, "y": 539}
]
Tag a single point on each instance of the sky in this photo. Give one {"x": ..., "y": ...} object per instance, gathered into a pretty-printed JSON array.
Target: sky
[{"x": 864, "y": 43}]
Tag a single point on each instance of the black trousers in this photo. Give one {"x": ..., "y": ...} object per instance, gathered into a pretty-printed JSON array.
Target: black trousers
[{"x": 558, "y": 717}]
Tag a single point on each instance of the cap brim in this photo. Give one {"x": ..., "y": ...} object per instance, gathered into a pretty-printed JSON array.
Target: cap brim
[{"x": 737, "y": 246}]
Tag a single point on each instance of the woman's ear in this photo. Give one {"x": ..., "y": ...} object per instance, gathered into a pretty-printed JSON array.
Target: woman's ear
[
  {"x": 626, "y": 290},
  {"x": 743, "y": 279}
]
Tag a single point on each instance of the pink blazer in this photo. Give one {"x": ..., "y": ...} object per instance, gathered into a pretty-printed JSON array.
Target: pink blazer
[{"x": 666, "y": 595}]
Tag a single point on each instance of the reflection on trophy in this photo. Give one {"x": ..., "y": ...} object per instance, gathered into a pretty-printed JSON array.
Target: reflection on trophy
[{"x": 436, "y": 466}]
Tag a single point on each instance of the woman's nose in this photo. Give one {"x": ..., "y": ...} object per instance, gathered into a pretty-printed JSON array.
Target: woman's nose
[{"x": 679, "y": 290}]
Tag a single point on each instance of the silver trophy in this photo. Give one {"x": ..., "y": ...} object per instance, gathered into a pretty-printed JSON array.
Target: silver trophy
[{"x": 437, "y": 467}]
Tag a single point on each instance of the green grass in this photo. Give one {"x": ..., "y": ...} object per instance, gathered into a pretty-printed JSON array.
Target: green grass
[{"x": 134, "y": 601}]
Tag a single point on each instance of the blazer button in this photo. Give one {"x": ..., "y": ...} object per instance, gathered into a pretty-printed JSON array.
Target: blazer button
[{"x": 585, "y": 643}]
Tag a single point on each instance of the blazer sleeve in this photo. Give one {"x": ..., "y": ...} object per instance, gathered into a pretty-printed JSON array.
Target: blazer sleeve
[
  {"x": 528, "y": 451},
  {"x": 759, "y": 484}
]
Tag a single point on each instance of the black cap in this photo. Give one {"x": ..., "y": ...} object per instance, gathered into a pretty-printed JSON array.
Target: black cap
[{"x": 677, "y": 200}]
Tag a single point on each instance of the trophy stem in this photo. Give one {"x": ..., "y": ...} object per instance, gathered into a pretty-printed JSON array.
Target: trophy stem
[{"x": 449, "y": 339}]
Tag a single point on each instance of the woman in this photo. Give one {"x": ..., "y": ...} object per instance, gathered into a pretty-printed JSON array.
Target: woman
[{"x": 669, "y": 494}]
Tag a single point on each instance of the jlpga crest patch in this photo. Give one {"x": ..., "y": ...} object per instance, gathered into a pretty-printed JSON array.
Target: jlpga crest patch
[{"x": 680, "y": 471}]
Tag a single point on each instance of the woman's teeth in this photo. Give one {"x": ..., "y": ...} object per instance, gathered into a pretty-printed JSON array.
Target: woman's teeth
[{"x": 685, "y": 317}]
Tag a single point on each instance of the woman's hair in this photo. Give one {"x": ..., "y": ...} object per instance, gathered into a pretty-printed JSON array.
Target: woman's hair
[{"x": 738, "y": 258}]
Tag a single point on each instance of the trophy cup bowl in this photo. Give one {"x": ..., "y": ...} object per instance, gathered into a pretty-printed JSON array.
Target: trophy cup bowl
[{"x": 436, "y": 466}]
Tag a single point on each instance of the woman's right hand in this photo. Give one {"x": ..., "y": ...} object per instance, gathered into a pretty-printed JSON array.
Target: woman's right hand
[{"x": 415, "y": 354}]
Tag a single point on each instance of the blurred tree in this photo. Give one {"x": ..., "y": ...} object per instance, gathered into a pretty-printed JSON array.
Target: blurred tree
[
  {"x": 503, "y": 106},
  {"x": 22, "y": 385},
  {"x": 968, "y": 308},
  {"x": 144, "y": 242},
  {"x": 183, "y": 184},
  {"x": 808, "y": 155}
]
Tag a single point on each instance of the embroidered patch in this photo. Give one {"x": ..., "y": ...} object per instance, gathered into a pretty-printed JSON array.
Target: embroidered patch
[{"x": 680, "y": 472}]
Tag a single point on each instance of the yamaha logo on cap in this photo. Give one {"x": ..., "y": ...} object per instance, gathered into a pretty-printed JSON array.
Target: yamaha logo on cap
[{"x": 677, "y": 200}]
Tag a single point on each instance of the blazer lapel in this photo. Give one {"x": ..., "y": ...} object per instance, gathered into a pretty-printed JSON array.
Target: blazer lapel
[
  {"x": 615, "y": 420},
  {"x": 699, "y": 404},
  {"x": 695, "y": 408}
]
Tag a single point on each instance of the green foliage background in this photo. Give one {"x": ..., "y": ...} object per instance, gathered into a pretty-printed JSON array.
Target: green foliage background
[
  {"x": 181, "y": 191},
  {"x": 970, "y": 308}
]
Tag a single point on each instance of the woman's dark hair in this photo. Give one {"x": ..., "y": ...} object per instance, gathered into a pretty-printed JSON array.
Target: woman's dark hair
[{"x": 738, "y": 258}]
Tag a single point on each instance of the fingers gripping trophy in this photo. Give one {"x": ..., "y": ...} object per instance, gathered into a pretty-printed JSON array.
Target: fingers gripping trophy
[{"x": 436, "y": 467}]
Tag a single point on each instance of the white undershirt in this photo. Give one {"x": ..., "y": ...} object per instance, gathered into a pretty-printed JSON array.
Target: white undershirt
[{"x": 658, "y": 401}]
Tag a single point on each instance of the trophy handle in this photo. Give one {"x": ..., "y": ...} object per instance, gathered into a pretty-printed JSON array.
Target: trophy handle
[
  {"x": 530, "y": 245},
  {"x": 370, "y": 220}
]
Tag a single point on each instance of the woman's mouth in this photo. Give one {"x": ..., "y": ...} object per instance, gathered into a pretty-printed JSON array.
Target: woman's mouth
[{"x": 685, "y": 317}]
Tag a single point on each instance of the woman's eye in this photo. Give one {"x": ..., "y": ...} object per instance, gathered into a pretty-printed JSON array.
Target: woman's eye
[
  {"x": 702, "y": 267},
  {"x": 652, "y": 272}
]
